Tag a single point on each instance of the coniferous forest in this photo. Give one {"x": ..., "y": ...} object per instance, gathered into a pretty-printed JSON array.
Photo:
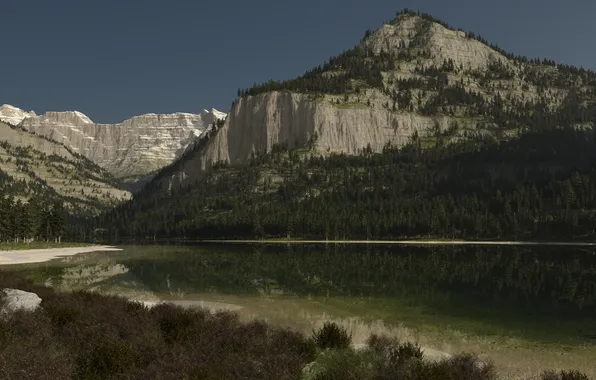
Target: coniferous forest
[
  {"x": 540, "y": 186},
  {"x": 36, "y": 219}
]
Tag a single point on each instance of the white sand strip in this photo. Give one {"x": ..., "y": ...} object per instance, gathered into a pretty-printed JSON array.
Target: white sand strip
[{"x": 27, "y": 256}]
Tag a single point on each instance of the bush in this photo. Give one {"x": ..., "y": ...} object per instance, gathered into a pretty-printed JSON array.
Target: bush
[
  {"x": 331, "y": 335},
  {"x": 564, "y": 375}
]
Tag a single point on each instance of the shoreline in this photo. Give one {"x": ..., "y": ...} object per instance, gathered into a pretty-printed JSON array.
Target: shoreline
[
  {"x": 407, "y": 242},
  {"x": 30, "y": 256}
]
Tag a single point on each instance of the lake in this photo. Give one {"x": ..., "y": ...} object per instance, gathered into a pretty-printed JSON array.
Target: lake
[{"x": 526, "y": 308}]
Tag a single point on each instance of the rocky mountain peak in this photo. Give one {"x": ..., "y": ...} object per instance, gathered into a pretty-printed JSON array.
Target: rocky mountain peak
[
  {"x": 411, "y": 33},
  {"x": 74, "y": 118},
  {"x": 13, "y": 115}
]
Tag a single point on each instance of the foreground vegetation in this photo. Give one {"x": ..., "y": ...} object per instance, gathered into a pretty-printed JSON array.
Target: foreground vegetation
[{"x": 88, "y": 336}]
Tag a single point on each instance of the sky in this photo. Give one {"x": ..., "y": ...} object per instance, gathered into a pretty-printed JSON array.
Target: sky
[{"x": 113, "y": 59}]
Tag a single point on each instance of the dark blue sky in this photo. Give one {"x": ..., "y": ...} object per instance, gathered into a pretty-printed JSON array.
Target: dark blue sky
[{"x": 115, "y": 59}]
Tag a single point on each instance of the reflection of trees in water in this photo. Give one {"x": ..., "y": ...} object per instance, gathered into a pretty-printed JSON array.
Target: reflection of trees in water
[{"x": 557, "y": 280}]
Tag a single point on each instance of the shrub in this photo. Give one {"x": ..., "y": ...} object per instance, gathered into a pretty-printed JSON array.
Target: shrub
[
  {"x": 106, "y": 359},
  {"x": 381, "y": 343},
  {"x": 563, "y": 375},
  {"x": 342, "y": 365},
  {"x": 331, "y": 335},
  {"x": 61, "y": 312},
  {"x": 408, "y": 351}
]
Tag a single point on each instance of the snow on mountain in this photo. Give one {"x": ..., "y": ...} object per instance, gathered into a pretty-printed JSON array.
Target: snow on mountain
[{"x": 13, "y": 115}]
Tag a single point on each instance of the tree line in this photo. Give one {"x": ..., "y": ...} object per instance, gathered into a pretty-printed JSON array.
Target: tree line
[{"x": 36, "y": 219}]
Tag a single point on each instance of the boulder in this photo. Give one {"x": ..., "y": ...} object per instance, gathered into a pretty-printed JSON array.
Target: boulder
[{"x": 15, "y": 299}]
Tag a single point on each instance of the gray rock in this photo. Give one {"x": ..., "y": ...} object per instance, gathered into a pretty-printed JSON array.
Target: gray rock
[{"x": 15, "y": 299}]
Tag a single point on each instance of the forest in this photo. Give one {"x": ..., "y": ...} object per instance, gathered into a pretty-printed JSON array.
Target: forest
[
  {"x": 36, "y": 219},
  {"x": 539, "y": 186}
]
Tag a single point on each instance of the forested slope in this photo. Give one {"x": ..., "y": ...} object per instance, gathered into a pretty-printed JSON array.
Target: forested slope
[{"x": 542, "y": 185}]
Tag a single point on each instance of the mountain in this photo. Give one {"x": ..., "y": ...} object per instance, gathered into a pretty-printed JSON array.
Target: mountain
[
  {"x": 418, "y": 131},
  {"x": 13, "y": 115},
  {"x": 129, "y": 150},
  {"x": 33, "y": 166},
  {"x": 412, "y": 76}
]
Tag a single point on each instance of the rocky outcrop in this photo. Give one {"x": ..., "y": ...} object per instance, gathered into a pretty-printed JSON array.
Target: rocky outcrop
[
  {"x": 15, "y": 299},
  {"x": 131, "y": 149}
]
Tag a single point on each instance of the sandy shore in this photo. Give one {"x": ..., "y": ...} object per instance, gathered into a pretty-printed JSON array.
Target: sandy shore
[{"x": 27, "y": 256}]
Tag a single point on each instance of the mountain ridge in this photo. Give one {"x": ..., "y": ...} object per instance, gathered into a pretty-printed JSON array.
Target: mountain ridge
[{"x": 131, "y": 149}]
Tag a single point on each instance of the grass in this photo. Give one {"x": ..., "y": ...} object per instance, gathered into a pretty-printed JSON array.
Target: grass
[{"x": 40, "y": 245}]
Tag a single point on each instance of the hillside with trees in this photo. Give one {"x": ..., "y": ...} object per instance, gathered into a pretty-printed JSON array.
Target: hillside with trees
[
  {"x": 42, "y": 183},
  {"x": 516, "y": 162},
  {"x": 540, "y": 186}
]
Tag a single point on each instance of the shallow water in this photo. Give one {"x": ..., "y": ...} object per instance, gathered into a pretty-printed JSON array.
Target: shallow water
[{"x": 527, "y": 308}]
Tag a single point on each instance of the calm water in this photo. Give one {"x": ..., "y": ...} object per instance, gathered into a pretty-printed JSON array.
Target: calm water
[{"x": 539, "y": 293}]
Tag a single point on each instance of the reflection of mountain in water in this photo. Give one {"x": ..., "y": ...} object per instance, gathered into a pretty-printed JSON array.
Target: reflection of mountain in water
[
  {"x": 558, "y": 281},
  {"x": 491, "y": 284},
  {"x": 105, "y": 277}
]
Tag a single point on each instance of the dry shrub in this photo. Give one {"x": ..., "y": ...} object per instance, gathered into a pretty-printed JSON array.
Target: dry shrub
[{"x": 331, "y": 335}]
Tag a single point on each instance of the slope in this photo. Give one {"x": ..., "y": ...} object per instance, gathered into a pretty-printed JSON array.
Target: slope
[{"x": 33, "y": 166}]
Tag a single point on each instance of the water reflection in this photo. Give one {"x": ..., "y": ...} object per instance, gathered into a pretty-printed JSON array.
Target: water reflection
[{"x": 498, "y": 285}]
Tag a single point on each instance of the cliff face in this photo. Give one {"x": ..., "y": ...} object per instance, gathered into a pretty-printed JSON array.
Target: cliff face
[
  {"x": 129, "y": 150},
  {"x": 442, "y": 43},
  {"x": 256, "y": 123}
]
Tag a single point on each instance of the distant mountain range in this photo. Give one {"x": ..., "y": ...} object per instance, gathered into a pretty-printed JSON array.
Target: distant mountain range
[{"x": 129, "y": 150}]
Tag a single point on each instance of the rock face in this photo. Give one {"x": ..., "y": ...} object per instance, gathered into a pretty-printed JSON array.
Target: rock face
[
  {"x": 129, "y": 150},
  {"x": 256, "y": 123},
  {"x": 15, "y": 299}
]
